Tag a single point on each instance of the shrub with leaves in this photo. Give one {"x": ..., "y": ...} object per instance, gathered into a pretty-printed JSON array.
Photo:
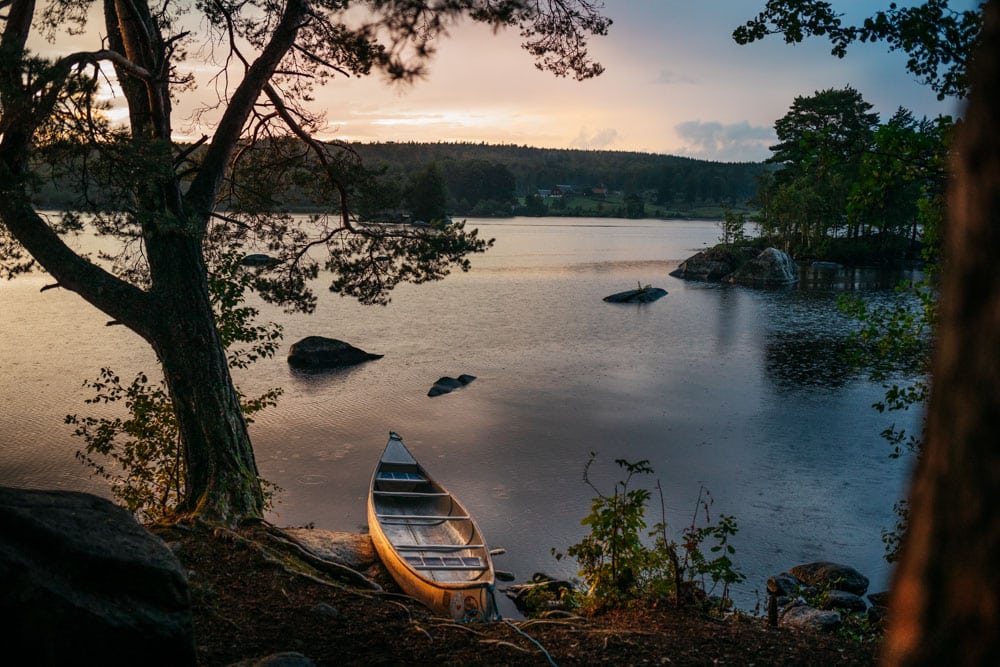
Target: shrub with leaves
[{"x": 620, "y": 567}]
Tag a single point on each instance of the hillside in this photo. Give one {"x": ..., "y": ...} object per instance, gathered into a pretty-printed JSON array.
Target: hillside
[{"x": 488, "y": 180}]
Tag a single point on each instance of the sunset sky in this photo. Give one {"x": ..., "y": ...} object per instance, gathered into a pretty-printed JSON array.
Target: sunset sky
[{"x": 675, "y": 82}]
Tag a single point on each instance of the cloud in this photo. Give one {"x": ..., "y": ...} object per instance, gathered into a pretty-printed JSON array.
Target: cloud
[
  {"x": 736, "y": 142},
  {"x": 601, "y": 139},
  {"x": 668, "y": 77}
]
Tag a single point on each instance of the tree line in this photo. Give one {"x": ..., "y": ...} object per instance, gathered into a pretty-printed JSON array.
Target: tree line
[
  {"x": 484, "y": 180},
  {"x": 480, "y": 175}
]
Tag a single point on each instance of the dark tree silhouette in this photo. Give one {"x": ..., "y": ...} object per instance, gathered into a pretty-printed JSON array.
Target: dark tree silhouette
[{"x": 946, "y": 594}]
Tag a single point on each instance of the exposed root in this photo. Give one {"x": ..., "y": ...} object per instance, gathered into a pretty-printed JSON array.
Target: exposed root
[{"x": 501, "y": 642}]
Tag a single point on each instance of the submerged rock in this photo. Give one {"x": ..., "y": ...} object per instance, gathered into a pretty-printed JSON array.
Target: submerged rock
[
  {"x": 317, "y": 352},
  {"x": 446, "y": 384},
  {"x": 641, "y": 295}
]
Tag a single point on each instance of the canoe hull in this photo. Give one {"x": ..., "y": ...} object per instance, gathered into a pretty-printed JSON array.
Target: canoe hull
[
  {"x": 426, "y": 539},
  {"x": 455, "y": 601}
]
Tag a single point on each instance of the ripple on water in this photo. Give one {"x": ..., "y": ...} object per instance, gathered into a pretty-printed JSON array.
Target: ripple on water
[{"x": 311, "y": 480}]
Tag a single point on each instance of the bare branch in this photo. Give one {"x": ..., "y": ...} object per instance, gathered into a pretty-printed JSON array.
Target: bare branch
[
  {"x": 106, "y": 55},
  {"x": 201, "y": 194}
]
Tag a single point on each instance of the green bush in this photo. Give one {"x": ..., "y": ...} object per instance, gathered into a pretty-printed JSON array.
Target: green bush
[{"x": 620, "y": 566}]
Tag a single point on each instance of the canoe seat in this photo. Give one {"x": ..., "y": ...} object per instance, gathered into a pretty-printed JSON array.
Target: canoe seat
[
  {"x": 411, "y": 494},
  {"x": 445, "y": 562},
  {"x": 422, "y": 517},
  {"x": 437, "y": 547},
  {"x": 390, "y": 476}
]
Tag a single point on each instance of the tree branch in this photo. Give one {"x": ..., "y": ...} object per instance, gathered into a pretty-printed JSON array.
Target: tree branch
[{"x": 201, "y": 195}]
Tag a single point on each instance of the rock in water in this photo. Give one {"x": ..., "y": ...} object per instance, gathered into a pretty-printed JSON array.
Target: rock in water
[
  {"x": 317, "y": 352},
  {"x": 713, "y": 264},
  {"x": 770, "y": 267},
  {"x": 79, "y": 578},
  {"x": 643, "y": 295},
  {"x": 446, "y": 384}
]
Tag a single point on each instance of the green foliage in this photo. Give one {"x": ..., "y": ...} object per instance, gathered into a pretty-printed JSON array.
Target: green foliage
[
  {"x": 937, "y": 39},
  {"x": 612, "y": 557},
  {"x": 717, "y": 570},
  {"x": 891, "y": 341},
  {"x": 621, "y": 568},
  {"x": 635, "y": 206},
  {"x": 141, "y": 454},
  {"x": 733, "y": 227},
  {"x": 821, "y": 141},
  {"x": 857, "y": 626}
]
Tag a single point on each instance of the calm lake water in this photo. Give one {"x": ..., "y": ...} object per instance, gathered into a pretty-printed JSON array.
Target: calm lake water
[{"x": 738, "y": 390}]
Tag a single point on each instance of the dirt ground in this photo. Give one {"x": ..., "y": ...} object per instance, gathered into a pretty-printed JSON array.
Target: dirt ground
[{"x": 251, "y": 599}]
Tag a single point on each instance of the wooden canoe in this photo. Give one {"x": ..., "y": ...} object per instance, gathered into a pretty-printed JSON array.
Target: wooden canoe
[{"x": 429, "y": 543}]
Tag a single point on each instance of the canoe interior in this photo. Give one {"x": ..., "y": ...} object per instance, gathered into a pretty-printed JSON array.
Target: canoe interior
[{"x": 425, "y": 524}]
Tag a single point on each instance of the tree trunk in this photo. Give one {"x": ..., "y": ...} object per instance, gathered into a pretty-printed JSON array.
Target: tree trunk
[
  {"x": 946, "y": 595},
  {"x": 222, "y": 481}
]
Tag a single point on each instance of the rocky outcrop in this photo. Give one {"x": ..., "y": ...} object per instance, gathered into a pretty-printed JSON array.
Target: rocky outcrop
[
  {"x": 645, "y": 294},
  {"x": 318, "y": 353},
  {"x": 78, "y": 573},
  {"x": 714, "y": 264},
  {"x": 770, "y": 267},
  {"x": 742, "y": 265},
  {"x": 445, "y": 385}
]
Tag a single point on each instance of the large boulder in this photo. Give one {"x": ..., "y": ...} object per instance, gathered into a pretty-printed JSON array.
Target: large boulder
[
  {"x": 317, "y": 353},
  {"x": 808, "y": 618},
  {"x": 79, "y": 578},
  {"x": 831, "y": 576},
  {"x": 713, "y": 264},
  {"x": 842, "y": 600},
  {"x": 770, "y": 267}
]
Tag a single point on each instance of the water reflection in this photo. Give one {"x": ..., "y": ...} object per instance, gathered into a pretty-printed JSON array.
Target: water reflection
[{"x": 804, "y": 359}]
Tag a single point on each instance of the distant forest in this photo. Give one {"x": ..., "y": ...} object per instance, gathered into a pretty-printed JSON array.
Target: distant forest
[{"x": 483, "y": 180}]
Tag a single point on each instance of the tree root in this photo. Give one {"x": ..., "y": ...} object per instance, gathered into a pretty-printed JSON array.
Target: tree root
[{"x": 294, "y": 551}]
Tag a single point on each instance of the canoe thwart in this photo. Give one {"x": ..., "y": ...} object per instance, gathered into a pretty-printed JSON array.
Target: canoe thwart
[
  {"x": 412, "y": 494},
  {"x": 422, "y": 517},
  {"x": 436, "y": 547}
]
